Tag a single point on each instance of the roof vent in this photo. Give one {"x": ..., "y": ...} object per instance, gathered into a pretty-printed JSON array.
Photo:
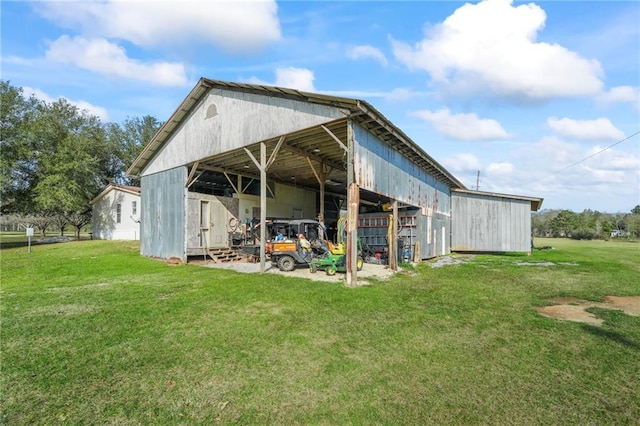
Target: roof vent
[{"x": 212, "y": 111}]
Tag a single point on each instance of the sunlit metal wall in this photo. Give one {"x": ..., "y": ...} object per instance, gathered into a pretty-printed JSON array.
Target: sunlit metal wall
[
  {"x": 381, "y": 169},
  {"x": 163, "y": 209},
  {"x": 487, "y": 223}
]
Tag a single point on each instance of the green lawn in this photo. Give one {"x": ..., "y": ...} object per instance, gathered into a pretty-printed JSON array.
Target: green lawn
[{"x": 93, "y": 333}]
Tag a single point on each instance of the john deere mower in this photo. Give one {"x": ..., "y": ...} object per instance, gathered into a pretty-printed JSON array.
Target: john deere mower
[{"x": 332, "y": 263}]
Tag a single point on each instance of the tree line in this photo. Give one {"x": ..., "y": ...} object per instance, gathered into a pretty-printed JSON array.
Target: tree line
[
  {"x": 56, "y": 158},
  {"x": 587, "y": 225}
]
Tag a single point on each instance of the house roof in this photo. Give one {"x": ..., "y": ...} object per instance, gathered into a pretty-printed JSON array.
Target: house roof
[
  {"x": 299, "y": 143},
  {"x": 134, "y": 190},
  {"x": 536, "y": 202}
]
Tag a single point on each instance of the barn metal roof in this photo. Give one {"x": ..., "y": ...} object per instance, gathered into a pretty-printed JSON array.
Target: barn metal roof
[{"x": 314, "y": 145}]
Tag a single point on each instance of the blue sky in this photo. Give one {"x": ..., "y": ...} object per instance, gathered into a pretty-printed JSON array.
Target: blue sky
[{"x": 518, "y": 91}]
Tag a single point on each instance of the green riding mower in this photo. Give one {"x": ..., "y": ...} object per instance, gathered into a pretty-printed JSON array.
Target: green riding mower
[{"x": 332, "y": 263}]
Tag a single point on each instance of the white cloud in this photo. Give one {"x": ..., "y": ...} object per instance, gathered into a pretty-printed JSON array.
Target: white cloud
[
  {"x": 359, "y": 94},
  {"x": 366, "y": 51},
  {"x": 490, "y": 48},
  {"x": 101, "y": 56},
  {"x": 236, "y": 26},
  {"x": 500, "y": 169},
  {"x": 612, "y": 160},
  {"x": 401, "y": 95},
  {"x": 594, "y": 130},
  {"x": 621, "y": 94},
  {"x": 462, "y": 162},
  {"x": 97, "y": 111},
  {"x": 290, "y": 77},
  {"x": 610, "y": 178},
  {"x": 295, "y": 78},
  {"x": 465, "y": 126}
]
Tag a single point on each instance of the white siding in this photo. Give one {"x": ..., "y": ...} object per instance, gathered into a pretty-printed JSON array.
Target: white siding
[
  {"x": 241, "y": 119},
  {"x": 105, "y": 226}
]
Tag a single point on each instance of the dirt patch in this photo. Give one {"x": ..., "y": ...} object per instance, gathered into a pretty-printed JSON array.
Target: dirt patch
[
  {"x": 574, "y": 309},
  {"x": 629, "y": 305}
]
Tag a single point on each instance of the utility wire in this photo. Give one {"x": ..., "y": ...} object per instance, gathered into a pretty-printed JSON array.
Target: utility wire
[
  {"x": 584, "y": 159},
  {"x": 599, "y": 152}
]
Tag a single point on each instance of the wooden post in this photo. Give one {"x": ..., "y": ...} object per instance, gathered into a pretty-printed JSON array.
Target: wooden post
[
  {"x": 262, "y": 166},
  {"x": 320, "y": 177},
  {"x": 393, "y": 244},
  {"x": 353, "y": 201},
  {"x": 321, "y": 213},
  {"x": 263, "y": 206}
]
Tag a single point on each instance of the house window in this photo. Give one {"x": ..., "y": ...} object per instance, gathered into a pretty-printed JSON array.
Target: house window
[
  {"x": 118, "y": 213},
  {"x": 134, "y": 208}
]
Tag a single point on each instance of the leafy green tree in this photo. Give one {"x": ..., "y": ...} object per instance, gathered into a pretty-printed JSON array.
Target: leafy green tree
[
  {"x": 55, "y": 157},
  {"x": 564, "y": 223},
  {"x": 77, "y": 160},
  {"x": 636, "y": 210},
  {"x": 540, "y": 225},
  {"x": 18, "y": 149},
  {"x": 607, "y": 227},
  {"x": 129, "y": 139}
]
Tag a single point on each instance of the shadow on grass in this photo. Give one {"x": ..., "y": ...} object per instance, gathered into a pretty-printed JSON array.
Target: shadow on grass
[
  {"x": 611, "y": 335},
  {"x": 34, "y": 242}
]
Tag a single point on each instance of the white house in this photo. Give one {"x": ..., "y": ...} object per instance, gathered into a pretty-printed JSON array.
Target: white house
[{"x": 116, "y": 213}]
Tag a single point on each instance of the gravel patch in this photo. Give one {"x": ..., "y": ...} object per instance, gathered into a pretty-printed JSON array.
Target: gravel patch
[
  {"x": 450, "y": 260},
  {"x": 369, "y": 271}
]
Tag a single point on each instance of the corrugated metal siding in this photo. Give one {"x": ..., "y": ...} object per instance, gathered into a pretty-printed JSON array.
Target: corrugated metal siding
[
  {"x": 434, "y": 231},
  {"x": 490, "y": 224},
  {"x": 381, "y": 169},
  {"x": 163, "y": 214},
  {"x": 240, "y": 119}
]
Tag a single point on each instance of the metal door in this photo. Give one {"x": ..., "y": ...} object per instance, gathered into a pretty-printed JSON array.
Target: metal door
[
  {"x": 205, "y": 239},
  {"x": 218, "y": 227}
]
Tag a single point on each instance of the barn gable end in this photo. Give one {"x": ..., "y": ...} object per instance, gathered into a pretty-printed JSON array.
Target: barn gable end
[{"x": 225, "y": 120}]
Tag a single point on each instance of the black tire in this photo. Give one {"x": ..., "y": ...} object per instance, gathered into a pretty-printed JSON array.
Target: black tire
[
  {"x": 331, "y": 270},
  {"x": 313, "y": 268},
  {"x": 359, "y": 263},
  {"x": 286, "y": 263}
]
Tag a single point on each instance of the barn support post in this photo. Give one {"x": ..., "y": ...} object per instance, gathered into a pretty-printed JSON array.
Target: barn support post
[
  {"x": 262, "y": 166},
  {"x": 263, "y": 206},
  {"x": 393, "y": 244},
  {"x": 320, "y": 177},
  {"x": 353, "y": 201}
]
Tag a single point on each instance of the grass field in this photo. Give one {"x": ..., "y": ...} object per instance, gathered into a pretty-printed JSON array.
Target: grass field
[{"x": 92, "y": 333}]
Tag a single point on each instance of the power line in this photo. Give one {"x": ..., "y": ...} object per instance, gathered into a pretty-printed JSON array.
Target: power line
[
  {"x": 585, "y": 158},
  {"x": 599, "y": 152}
]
